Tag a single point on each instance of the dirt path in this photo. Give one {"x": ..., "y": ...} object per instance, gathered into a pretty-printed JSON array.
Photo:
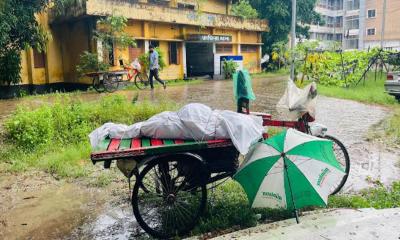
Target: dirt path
[{"x": 350, "y": 122}]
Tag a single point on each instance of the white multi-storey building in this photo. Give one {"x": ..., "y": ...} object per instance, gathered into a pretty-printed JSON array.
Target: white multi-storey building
[{"x": 343, "y": 22}]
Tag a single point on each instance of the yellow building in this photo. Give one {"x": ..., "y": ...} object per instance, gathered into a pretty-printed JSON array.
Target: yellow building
[{"x": 193, "y": 35}]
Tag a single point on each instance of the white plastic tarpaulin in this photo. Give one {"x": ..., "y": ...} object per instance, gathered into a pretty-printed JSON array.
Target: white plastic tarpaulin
[
  {"x": 297, "y": 101},
  {"x": 193, "y": 121}
]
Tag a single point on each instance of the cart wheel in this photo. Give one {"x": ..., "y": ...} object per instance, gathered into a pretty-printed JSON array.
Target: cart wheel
[
  {"x": 98, "y": 84},
  {"x": 170, "y": 195},
  {"x": 141, "y": 81},
  {"x": 343, "y": 158},
  {"x": 111, "y": 82}
]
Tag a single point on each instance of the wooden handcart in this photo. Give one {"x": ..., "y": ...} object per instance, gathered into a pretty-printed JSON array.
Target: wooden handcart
[{"x": 170, "y": 191}]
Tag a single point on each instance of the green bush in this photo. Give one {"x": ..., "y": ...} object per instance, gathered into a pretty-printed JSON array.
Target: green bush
[
  {"x": 145, "y": 58},
  {"x": 89, "y": 62},
  {"x": 69, "y": 121},
  {"x": 54, "y": 137},
  {"x": 229, "y": 68}
]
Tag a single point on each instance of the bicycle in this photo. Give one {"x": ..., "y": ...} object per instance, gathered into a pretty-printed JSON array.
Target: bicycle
[{"x": 109, "y": 81}]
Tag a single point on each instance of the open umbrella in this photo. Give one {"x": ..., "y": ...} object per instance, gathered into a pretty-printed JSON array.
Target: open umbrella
[{"x": 289, "y": 171}]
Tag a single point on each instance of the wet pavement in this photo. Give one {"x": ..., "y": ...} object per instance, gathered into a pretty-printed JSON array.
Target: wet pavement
[
  {"x": 349, "y": 121},
  {"x": 355, "y": 224}
]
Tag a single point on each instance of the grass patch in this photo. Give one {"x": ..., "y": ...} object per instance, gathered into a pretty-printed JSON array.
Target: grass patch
[
  {"x": 278, "y": 73},
  {"x": 372, "y": 91},
  {"x": 54, "y": 137},
  {"x": 378, "y": 197},
  {"x": 228, "y": 210}
]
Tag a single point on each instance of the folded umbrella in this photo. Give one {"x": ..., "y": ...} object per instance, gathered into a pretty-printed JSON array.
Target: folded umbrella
[{"x": 289, "y": 171}]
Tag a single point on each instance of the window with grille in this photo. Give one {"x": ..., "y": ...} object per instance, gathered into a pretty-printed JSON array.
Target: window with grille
[
  {"x": 39, "y": 59},
  {"x": 370, "y": 31},
  {"x": 248, "y": 48},
  {"x": 173, "y": 53},
  {"x": 371, "y": 13},
  {"x": 224, "y": 48}
]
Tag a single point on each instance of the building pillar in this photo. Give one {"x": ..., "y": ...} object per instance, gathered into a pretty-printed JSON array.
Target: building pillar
[
  {"x": 29, "y": 61},
  {"x": 362, "y": 31},
  {"x": 146, "y": 45},
  {"x": 100, "y": 50},
  {"x": 184, "y": 59},
  {"x": 239, "y": 41}
]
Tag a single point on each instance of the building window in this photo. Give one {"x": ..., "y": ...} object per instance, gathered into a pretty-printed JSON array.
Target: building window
[
  {"x": 110, "y": 54},
  {"x": 371, "y": 31},
  {"x": 39, "y": 59},
  {"x": 353, "y": 5},
  {"x": 173, "y": 53},
  {"x": 371, "y": 13},
  {"x": 159, "y": 2},
  {"x": 135, "y": 52},
  {"x": 352, "y": 22},
  {"x": 186, "y": 6},
  {"x": 154, "y": 43},
  {"x": 248, "y": 48},
  {"x": 224, "y": 48}
]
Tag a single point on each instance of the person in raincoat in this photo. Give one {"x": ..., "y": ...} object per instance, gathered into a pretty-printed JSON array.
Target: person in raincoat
[{"x": 243, "y": 90}]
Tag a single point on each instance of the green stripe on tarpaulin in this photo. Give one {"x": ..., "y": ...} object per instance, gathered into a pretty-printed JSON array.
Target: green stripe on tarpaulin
[
  {"x": 318, "y": 150},
  {"x": 146, "y": 142},
  {"x": 303, "y": 192},
  {"x": 125, "y": 144},
  {"x": 253, "y": 175},
  {"x": 103, "y": 145}
]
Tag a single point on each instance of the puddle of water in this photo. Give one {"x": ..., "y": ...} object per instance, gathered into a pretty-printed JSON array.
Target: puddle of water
[
  {"x": 35, "y": 207},
  {"x": 217, "y": 94}
]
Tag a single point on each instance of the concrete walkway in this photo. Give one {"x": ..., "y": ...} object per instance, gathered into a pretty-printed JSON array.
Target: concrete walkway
[{"x": 346, "y": 224}]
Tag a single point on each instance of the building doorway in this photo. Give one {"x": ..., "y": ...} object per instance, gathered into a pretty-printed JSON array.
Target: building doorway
[{"x": 199, "y": 59}]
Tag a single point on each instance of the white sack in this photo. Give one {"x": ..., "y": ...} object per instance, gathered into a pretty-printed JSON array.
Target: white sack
[
  {"x": 296, "y": 101},
  {"x": 115, "y": 131},
  {"x": 243, "y": 130},
  {"x": 193, "y": 121}
]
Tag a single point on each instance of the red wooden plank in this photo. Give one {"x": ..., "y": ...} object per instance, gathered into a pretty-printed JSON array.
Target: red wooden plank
[
  {"x": 179, "y": 141},
  {"x": 217, "y": 141},
  {"x": 114, "y": 144},
  {"x": 156, "y": 142},
  {"x": 136, "y": 143}
]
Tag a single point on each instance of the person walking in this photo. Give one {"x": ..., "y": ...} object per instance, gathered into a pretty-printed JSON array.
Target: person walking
[
  {"x": 154, "y": 67},
  {"x": 243, "y": 90}
]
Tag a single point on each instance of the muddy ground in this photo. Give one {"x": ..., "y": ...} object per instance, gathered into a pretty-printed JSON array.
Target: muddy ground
[{"x": 35, "y": 205}]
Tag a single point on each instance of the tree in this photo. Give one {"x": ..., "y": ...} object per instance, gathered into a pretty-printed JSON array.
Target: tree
[
  {"x": 244, "y": 9},
  {"x": 19, "y": 30},
  {"x": 278, "y": 14},
  {"x": 110, "y": 33}
]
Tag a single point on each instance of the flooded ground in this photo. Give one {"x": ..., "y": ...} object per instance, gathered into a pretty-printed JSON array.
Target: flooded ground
[{"x": 106, "y": 213}]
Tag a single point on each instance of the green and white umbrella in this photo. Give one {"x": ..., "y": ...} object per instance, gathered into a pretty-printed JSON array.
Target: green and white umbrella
[{"x": 289, "y": 171}]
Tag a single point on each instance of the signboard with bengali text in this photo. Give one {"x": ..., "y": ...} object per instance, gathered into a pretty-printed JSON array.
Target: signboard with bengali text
[{"x": 208, "y": 38}]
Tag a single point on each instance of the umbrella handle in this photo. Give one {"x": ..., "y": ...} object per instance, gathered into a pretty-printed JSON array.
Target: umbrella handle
[{"x": 296, "y": 214}]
